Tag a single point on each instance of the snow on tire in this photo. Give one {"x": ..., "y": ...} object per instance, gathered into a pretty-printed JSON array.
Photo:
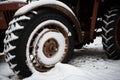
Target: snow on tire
[
  {"x": 111, "y": 33},
  {"x": 37, "y": 41},
  {"x": 10, "y": 44}
]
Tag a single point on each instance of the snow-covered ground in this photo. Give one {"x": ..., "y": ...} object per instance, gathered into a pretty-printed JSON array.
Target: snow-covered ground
[{"x": 89, "y": 63}]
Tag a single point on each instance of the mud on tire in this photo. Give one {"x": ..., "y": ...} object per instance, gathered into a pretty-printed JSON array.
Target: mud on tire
[
  {"x": 26, "y": 41},
  {"x": 111, "y": 33}
]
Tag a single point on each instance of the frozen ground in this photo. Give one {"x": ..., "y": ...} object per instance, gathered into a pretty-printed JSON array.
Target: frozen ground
[{"x": 89, "y": 63}]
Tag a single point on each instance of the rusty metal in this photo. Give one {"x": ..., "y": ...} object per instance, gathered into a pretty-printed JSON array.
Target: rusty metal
[
  {"x": 3, "y": 23},
  {"x": 7, "y": 10},
  {"x": 50, "y": 48},
  {"x": 94, "y": 17}
]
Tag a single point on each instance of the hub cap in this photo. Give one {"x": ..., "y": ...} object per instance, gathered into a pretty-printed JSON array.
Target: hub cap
[{"x": 50, "y": 48}]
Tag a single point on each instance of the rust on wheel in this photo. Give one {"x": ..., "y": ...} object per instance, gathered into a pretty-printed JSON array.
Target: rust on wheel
[
  {"x": 50, "y": 48},
  {"x": 48, "y": 45}
]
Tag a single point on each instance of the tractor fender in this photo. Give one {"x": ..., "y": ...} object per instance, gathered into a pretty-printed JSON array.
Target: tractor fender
[{"x": 55, "y": 4}]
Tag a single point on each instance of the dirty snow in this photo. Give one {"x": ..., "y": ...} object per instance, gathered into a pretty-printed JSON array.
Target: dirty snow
[{"x": 88, "y": 63}]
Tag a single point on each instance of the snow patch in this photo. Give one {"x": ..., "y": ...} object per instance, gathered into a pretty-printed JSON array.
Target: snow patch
[
  {"x": 9, "y": 47},
  {"x": 9, "y": 57},
  {"x": 36, "y": 4},
  {"x": 1, "y": 54},
  {"x": 64, "y": 72},
  {"x": 10, "y": 37},
  {"x": 11, "y": 1},
  {"x": 19, "y": 19},
  {"x": 13, "y": 27}
]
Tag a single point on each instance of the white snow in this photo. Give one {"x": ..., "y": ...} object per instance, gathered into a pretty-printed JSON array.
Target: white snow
[
  {"x": 88, "y": 63},
  {"x": 63, "y": 72},
  {"x": 14, "y": 28},
  {"x": 10, "y": 57},
  {"x": 10, "y": 38},
  {"x": 1, "y": 53},
  {"x": 10, "y": 1},
  {"x": 5, "y": 72},
  {"x": 9, "y": 47},
  {"x": 19, "y": 19},
  {"x": 39, "y": 3},
  {"x": 17, "y": 0}
]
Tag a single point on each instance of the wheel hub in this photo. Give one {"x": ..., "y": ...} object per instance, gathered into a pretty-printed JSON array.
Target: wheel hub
[{"x": 50, "y": 48}]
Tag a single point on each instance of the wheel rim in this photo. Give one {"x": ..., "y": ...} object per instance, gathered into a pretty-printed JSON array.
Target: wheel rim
[
  {"x": 47, "y": 45},
  {"x": 118, "y": 34},
  {"x": 46, "y": 55}
]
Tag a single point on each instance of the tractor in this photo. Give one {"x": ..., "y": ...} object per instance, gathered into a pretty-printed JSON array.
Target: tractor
[
  {"x": 45, "y": 32},
  {"x": 7, "y": 10}
]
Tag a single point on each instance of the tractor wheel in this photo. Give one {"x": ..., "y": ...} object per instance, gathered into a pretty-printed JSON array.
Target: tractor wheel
[
  {"x": 111, "y": 33},
  {"x": 37, "y": 41}
]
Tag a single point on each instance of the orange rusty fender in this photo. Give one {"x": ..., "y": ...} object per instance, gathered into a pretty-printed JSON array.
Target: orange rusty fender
[{"x": 7, "y": 10}]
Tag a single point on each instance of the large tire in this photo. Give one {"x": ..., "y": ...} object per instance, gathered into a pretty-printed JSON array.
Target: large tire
[
  {"x": 37, "y": 41},
  {"x": 111, "y": 33}
]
